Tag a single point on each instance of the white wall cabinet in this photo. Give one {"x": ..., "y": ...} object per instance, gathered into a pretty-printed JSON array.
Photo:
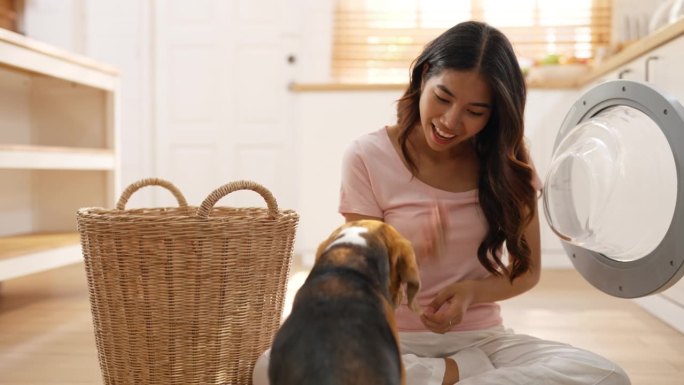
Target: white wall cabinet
[
  {"x": 662, "y": 68},
  {"x": 58, "y": 151}
]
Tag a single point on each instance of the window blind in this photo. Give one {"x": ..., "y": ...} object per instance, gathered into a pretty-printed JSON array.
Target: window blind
[{"x": 375, "y": 41}]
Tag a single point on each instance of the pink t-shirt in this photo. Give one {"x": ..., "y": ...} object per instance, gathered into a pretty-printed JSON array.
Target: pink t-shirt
[{"x": 375, "y": 182}]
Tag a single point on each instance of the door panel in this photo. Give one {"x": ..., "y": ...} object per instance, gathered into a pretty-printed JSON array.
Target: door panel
[{"x": 221, "y": 98}]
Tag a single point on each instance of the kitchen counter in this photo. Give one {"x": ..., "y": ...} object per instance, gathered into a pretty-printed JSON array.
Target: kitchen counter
[{"x": 629, "y": 53}]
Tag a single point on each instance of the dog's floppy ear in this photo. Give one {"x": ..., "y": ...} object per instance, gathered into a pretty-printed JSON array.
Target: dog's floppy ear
[
  {"x": 403, "y": 267},
  {"x": 407, "y": 268}
]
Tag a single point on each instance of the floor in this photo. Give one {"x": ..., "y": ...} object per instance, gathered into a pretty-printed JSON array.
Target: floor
[{"x": 46, "y": 333}]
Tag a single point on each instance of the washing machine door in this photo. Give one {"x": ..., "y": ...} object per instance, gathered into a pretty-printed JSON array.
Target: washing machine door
[{"x": 614, "y": 191}]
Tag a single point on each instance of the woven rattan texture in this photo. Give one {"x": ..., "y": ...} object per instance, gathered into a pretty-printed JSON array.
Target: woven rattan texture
[{"x": 182, "y": 298}]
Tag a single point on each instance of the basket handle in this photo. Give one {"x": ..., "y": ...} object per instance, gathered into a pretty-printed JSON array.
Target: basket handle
[
  {"x": 135, "y": 186},
  {"x": 210, "y": 201}
]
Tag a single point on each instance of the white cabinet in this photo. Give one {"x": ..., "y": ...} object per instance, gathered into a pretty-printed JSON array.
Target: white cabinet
[
  {"x": 58, "y": 151},
  {"x": 659, "y": 67},
  {"x": 665, "y": 74},
  {"x": 666, "y": 68}
]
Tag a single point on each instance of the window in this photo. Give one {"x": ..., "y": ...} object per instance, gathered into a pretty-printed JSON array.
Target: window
[{"x": 375, "y": 41}]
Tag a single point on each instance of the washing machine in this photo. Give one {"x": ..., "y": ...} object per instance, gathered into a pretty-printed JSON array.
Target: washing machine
[{"x": 614, "y": 191}]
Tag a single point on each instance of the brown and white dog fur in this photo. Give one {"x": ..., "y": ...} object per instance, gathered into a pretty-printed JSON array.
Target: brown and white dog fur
[{"x": 341, "y": 329}]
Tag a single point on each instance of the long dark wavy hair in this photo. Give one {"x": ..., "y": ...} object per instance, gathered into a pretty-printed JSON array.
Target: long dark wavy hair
[{"x": 506, "y": 194}]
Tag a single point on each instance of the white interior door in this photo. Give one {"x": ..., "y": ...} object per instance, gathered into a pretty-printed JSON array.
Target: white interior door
[{"x": 221, "y": 99}]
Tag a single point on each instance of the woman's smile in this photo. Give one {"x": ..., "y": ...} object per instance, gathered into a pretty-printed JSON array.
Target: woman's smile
[{"x": 440, "y": 136}]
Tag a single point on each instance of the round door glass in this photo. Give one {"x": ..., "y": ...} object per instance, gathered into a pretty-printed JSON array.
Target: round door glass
[{"x": 612, "y": 185}]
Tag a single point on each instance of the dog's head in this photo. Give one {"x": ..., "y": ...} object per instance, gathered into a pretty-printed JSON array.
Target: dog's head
[{"x": 403, "y": 268}]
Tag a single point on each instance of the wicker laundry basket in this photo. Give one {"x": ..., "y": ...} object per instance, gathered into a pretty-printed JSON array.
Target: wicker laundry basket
[{"x": 186, "y": 295}]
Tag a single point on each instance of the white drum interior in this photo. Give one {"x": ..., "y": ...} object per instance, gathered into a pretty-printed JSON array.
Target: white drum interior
[{"x": 612, "y": 185}]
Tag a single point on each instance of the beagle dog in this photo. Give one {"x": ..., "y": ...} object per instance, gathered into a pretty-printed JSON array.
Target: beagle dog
[{"x": 341, "y": 329}]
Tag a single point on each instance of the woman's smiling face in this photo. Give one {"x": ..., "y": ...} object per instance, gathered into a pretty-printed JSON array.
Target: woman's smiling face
[{"x": 454, "y": 107}]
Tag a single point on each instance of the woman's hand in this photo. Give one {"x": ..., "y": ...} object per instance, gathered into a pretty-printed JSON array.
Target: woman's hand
[
  {"x": 450, "y": 304},
  {"x": 448, "y": 307}
]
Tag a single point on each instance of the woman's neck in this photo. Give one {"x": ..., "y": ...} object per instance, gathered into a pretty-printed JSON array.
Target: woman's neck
[{"x": 454, "y": 171}]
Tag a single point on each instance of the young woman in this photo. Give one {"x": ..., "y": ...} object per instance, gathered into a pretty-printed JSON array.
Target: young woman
[{"x": 454, "y": 176}]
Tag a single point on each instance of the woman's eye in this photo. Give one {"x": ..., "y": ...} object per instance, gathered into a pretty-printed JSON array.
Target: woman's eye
[
  {"x": 475, "y": 113},
  {"x": 441, "y": 99}
]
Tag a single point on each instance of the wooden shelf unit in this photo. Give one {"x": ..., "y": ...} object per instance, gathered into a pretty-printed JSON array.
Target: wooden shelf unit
[
  {"x": 59, "y": 151},
  {"x": 32, "y": 253},
  {"x": 55, "y": 158}
]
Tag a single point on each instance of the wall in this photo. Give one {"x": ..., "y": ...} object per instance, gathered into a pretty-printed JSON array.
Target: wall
[
  {"x": 326, "y": 122},
  {"x": 631, "y": 18}
]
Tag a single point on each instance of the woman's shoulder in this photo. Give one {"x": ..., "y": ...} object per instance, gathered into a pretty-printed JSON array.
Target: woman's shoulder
[
  {"x": 372, "y": 143},
  {"x": 379, "y": 136}
]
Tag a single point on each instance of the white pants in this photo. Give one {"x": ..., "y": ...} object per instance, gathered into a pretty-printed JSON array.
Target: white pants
[{"x": 493, "y": 357}]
